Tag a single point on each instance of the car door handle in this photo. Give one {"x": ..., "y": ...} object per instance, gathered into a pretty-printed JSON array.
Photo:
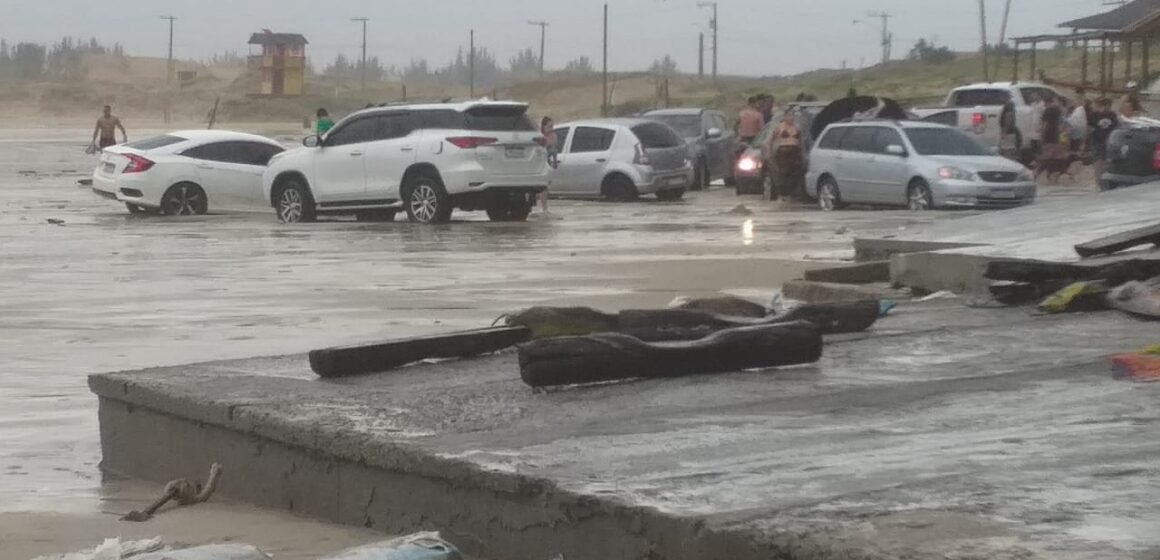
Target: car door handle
[
  {"x": 355, "y": 154},
  {"x": 601, "y": 160},
  {"x": 407, "y": 148},
  {"x": 204, "y": 166}
]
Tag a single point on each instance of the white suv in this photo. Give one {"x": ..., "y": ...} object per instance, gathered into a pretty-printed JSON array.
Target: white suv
[{"x": 477, "y": 155}]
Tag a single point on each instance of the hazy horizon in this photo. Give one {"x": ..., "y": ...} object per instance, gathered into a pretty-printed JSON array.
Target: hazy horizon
[{"x": 758, "y": 37}]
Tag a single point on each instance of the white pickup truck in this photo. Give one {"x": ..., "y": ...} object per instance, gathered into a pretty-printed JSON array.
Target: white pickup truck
[{"x": 976, "y": 109}]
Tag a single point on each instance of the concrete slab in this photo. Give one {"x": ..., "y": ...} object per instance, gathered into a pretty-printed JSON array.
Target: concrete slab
[
  {"x": 945, "y": 432},
  {"x": 1046, "y": 230}
]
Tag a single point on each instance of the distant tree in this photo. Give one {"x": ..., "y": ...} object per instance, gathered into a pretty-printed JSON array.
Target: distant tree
[
  {"x": 665, "y": 67},
  {"x": 578, "y": 66},
  {"x": 525, "y": 64},
  {"x": 118, "y": 50},
  {"x": 928, "y": 53},
  {"x": 458, "y": 72},
  {"x": 28, "y": 61},
  {"x": 227, "y": 58}
]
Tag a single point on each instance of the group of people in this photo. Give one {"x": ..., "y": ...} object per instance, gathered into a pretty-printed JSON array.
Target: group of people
[
  {"x": 1069, "y": 130},
  {"x": 783, "y": 150}
]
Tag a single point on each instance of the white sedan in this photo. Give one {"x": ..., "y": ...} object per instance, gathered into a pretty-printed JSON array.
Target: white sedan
[{"x": 187, "y": 172}]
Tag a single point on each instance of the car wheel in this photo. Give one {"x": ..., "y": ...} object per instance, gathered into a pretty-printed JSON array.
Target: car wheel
[
  {"x": 670, "y": 195},
  {"x": 766, "y": 185},
  {"x": 294, "y": 203},
  {"x": 829, "y": 197},
  {"x": 620, "y": 189},
  {"x": 184, "y": 199},
  {"x": 701, "y": 177},
  {"x": 427, "y": 202},
  {"x": 918, "y": 196},
  {"x": 376, "y": 215}
]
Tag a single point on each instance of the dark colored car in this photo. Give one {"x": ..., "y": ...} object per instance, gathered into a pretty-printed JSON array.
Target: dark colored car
[
  {"x": 711, "y": 141},
  {"x": 1133, "y": 155}
]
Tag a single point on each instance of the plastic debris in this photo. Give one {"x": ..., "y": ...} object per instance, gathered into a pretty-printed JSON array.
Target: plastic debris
[
  {"x": 885, "y": 306},
  {"x": 937, "y": 295},
  {"x": 418, "y": 546},
  {"x": 1143, "y": 365},
  {"x": 1077, "y": 296},
  {"x": 209, "y": 552}
]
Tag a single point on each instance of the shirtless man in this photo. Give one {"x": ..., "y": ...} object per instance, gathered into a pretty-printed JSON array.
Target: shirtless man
[{"x": 107, "y": 127}]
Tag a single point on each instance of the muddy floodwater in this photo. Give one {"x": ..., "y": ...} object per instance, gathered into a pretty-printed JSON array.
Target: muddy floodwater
[{"x": 104, "y": 290}]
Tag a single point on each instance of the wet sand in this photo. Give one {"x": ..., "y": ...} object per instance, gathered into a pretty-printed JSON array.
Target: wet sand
[{"x": 108, "y": 291}]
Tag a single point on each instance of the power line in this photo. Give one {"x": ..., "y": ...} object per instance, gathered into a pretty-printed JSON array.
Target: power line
[
  {"x": 364, "y": 49},
  {"x": 169, "y": 70},
  {"x": 887, "y": 36},
  {"x": 543, "y": 33}
]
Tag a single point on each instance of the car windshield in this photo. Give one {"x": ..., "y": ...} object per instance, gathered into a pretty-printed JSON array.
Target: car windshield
[
  {"x": 499, "y": 118},
  {"x": 687, "y": 126},
  {"x": 154, "y": 142},
  {"x": 655, "y": 135},
  {"x": 944, "y": 142}
]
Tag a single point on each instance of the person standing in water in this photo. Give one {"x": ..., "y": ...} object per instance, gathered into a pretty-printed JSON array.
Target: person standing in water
[
  {"x": 548, "y": 130},
  {"x": 323, "y": 123},
  {"x": 105, "y": 133}
]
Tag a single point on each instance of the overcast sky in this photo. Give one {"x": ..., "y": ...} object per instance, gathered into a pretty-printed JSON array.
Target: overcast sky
[{"x": 758, "y": 37}]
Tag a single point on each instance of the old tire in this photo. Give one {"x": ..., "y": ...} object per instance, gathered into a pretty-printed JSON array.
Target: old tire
[
  {"x": 918, "y": 196},
  {"x": 427, "y": 201},
  {"x": 184, "y": 199},
  {"x": 670, "y": 195},
  {"x": 829, "y": 196},
  {"x": 619, "y": 188},
  {"x": 293, "y": 202}
]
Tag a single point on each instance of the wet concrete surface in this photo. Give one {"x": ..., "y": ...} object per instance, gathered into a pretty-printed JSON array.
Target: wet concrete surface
[
  {"x": 107, "y": 291},
  {"x": 944, "y": 432}
]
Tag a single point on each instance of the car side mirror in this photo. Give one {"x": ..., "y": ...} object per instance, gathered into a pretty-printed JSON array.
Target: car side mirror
[
  {"x": 713, "y": 133},
  {"x": 896, "y": 150},
  {"x": 312, "y": 141}
]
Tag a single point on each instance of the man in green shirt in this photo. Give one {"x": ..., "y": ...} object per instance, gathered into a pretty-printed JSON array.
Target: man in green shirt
[{"x": 324, "y": 123}]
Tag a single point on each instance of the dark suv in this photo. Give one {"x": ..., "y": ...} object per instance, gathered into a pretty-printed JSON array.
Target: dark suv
[
  {"x": 711, "y": 141},
  {"x": 1133, "y": 156}
]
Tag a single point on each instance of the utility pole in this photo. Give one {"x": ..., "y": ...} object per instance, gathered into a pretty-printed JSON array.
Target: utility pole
[
  {"x": 169, "y": 71},
  {"x": 983, "y": 39},
  {"x": 604, "y": 71},
  {"x": 364, "y": 50},
  {"x": 543, "y": 33},
  {"x": 712, "y": 25},
  {"x": 701, "y": 56},
  {"x": 884, "y": 28},
  {"x": 471, "y": 63}
]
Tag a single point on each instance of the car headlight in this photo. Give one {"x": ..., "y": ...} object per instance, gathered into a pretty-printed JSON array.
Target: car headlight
[
  {"x": 747, "y": 164},
  {"x": 1026, "y": 175},
  {"x": 956, "y": 173}
]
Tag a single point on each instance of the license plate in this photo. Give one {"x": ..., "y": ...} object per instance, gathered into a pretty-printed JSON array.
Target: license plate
[
  {"x": 110, "y": 168},
  {"x": 1003, "y": 194},
  {"x": 514, "y": 152},
  {"x": 675, "y": 181}
]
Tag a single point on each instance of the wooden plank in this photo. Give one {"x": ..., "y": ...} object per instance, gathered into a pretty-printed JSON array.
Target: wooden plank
[
  {"x": 614, "y": 356},
  {"x": 655, "y": 325},
  {"x": 382, "y": 356},
  {"x": 1120, "y": 241},
  {"x": 1044, "y": 272}
]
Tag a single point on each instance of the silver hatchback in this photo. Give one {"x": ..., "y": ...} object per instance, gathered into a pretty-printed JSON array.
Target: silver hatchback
[
  {"x": 914, "y": 164},
  {"x": 620, "y": 159}
]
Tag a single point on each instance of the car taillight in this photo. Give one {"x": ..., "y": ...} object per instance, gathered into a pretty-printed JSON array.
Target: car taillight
[
  {"x": 471, "y": 142},
  {"x": 1156, "y": 157},
  {"x": 641, "y": 158},
  {"x": 747, "y": 164},
  {"x": 137, "y": 164},
  {"x": 979, "y": 122}
]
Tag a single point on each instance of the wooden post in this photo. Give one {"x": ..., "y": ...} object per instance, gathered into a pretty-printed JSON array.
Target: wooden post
[
  {"x": 1112, "y": 64},
  {"x": 1015, "y": 64},
  {"x": 1083, "y": 72},
  {"x": 1128, "y": 61},
  {"x": 1034, "y": 47},
  {"x": 1144, "y": 78},
  {"x": 1103, "y": 66}
]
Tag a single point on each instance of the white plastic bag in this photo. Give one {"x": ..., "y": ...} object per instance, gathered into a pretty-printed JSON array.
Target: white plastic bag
[{"x": 418, "y": 546}]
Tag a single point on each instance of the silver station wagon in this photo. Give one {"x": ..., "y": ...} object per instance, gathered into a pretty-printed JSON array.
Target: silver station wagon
[{"x": 914, "y": 164}]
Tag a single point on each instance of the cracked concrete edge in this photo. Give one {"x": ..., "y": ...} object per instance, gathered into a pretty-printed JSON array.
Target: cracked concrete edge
[
  {"x": 507, "y": 514},
  {"x": 828, "y": 292},
  {"x": 871, "y": 249}
]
